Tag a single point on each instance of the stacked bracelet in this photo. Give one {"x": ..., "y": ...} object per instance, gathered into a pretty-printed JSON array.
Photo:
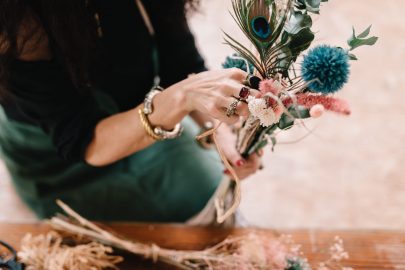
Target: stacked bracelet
[
  {"x": 157, "y": 133},
  {"x": 147, "y": 126}
]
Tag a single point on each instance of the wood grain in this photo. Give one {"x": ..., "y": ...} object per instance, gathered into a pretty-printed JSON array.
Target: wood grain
[{"x": 371, "y": 250}]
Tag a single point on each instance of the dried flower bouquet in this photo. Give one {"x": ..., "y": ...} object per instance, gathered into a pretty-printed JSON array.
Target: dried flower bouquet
[{"x": 290, "y": 92}]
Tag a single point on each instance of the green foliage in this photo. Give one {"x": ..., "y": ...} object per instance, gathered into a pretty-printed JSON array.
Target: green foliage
[
  {"x": 360, "y": 40},
  {"x": 297, "y": 264},
  {"x": 286, "y": 122},
  {"x": 274, "y": 143},
  {"x": 312, "y": 6},
  {"x": 299, "y": 112},
  {"x": 256, "y": 147},
  {"x": 260, "y": 139},
  {"x": 294, "y": 112},
  {"x": 297, "y": 22}
]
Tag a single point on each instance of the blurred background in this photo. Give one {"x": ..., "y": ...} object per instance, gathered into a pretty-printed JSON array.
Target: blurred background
[{"x": 349, "y": 173}]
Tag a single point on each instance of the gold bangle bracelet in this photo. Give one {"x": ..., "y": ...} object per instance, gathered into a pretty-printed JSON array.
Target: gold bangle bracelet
[{"x": 147, "y": 126}]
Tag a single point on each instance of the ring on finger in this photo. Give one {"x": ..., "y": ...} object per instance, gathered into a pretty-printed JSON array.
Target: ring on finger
[
  {"x": 231, "y": 110},
  {"x": 244, "y": 93}
]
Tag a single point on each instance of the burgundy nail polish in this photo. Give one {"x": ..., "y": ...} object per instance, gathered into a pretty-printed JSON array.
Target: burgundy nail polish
[{"x": 226, "y": 171}]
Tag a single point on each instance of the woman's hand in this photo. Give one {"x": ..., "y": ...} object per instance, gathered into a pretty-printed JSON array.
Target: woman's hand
[
  {"x": 243, "y": 167},
  {"x": 212, "y": 92}
]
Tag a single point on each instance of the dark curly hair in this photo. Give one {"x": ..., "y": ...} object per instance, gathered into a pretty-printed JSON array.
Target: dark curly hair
[{"x": 61, "y": 22}]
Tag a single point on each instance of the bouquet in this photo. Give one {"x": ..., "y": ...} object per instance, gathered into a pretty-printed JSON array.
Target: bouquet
[{"x": 292, "y": 89}]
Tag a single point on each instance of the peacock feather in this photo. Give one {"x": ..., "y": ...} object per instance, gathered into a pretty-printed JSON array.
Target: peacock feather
[
  {"x": 262, "y": 23},
  {"x": 279, "y": 30}
]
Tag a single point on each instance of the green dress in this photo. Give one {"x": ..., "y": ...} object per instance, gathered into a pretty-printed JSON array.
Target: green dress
[{"x": 169, "y": 181}]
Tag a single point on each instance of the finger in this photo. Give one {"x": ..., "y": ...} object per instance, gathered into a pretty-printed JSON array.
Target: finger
[
  {"x": 242, "y": 108},
  {"x": 220, "y": 114},
  {"x": 237, "y": 74},
  {"x": 255, "y": 93},
  {"x": 253, "y": 162},
  {"x": 238, "y": 91},
  {"x": 234, "y": 157},
  {"x": 242, "y": 173}
]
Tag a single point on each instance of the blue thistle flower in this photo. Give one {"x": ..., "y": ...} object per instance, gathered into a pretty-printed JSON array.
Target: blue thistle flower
[
  {"x": 237, "y": 63},
  {"x": 326, "y": 69}
]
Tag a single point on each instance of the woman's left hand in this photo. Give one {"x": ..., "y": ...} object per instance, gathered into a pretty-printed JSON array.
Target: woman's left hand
[{"x": 243, "y": 167}]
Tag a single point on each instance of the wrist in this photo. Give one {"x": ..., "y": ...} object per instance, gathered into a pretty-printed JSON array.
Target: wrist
[
  {"x": 170, "y": 109},
  {"x": 180, "y": 95}
]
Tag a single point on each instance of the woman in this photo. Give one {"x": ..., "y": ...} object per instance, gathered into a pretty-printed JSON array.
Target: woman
[{"x": 74, "y": 75}]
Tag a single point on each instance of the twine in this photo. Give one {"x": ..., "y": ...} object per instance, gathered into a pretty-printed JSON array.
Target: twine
[{"x": 223, "y": 214}]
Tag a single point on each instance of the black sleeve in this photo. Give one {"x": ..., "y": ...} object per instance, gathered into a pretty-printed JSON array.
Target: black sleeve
[
  {"x": 43, "y": 93},
  {"x": 178, "y": 53}
]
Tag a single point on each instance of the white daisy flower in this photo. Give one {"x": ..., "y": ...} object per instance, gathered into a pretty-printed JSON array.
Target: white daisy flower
[{"x": 258, "y": 108}]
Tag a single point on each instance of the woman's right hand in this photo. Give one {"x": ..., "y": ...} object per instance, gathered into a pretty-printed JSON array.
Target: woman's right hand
[{"x": 212, "y": 92}]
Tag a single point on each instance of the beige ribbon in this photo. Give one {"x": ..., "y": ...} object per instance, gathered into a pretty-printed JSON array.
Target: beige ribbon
[{"x": 222, "y": 213}]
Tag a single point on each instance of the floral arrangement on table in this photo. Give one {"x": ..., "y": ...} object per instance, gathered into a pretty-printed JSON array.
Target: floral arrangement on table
[
  {"x": 280, "y": 31},
  {"x": 80, "y": 244}
]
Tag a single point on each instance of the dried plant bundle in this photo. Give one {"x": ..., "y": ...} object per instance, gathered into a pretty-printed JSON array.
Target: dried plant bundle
[
  {"x": 49, "y": 251},
  {"x": 91, "y": 247}
]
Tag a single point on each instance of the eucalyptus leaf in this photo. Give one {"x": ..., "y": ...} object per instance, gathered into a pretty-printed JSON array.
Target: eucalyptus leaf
[
  {"x": 355, "y": 43},
  {"x": 298, "y": 21},
  {"x": 313, "y": 3},
  {"x": 300, "y": 4},
  {"x": 352, "y": 57},
  {"x": 300, "y": 41},
  {"x": 273, "y": 142},
  {"x": 299, "y": 112},
  {"x": 362, "y": 39},
  {"x": 286, "y": 122},
  {"x": 256, "y": 147},
  {"x": 313, "y": 6},
  {"x": 365, "y": 32},
  {"x": 270, "y": 129}
]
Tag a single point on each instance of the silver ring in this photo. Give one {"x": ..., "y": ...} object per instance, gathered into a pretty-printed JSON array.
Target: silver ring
[{"x": 231, "y": 110}]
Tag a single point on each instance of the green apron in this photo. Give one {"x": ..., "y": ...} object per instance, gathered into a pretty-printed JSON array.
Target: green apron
[{"x": 170, "y": 181}]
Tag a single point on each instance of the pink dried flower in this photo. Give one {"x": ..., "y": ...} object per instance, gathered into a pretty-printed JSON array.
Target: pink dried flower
[
  {"x": 330, "y": 103},
  {"x": 263, "y": 252},
  {"x": 270, "y": 86},
  {"x": 317, "y": 110},
  {"x": 276, "y": 254},
  {"x": 278, "y": 111}
]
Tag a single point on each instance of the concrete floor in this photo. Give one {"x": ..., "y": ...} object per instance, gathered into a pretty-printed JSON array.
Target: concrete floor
[{"x": 348, "y": 173}]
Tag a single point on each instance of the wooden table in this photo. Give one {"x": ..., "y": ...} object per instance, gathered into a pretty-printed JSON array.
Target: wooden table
[{"x": 369, "y": 250}]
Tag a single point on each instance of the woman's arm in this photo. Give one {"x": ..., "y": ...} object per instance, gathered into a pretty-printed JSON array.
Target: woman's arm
[
  {"x": 210, "y": 93},
  {"x": 123, "y": 134}
]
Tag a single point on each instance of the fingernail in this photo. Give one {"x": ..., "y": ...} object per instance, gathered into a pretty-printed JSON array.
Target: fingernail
[
  {"x": 226, "y": 171},
  {"x": 261, "y": 152},
  {"x": 240, "y": 163}
]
